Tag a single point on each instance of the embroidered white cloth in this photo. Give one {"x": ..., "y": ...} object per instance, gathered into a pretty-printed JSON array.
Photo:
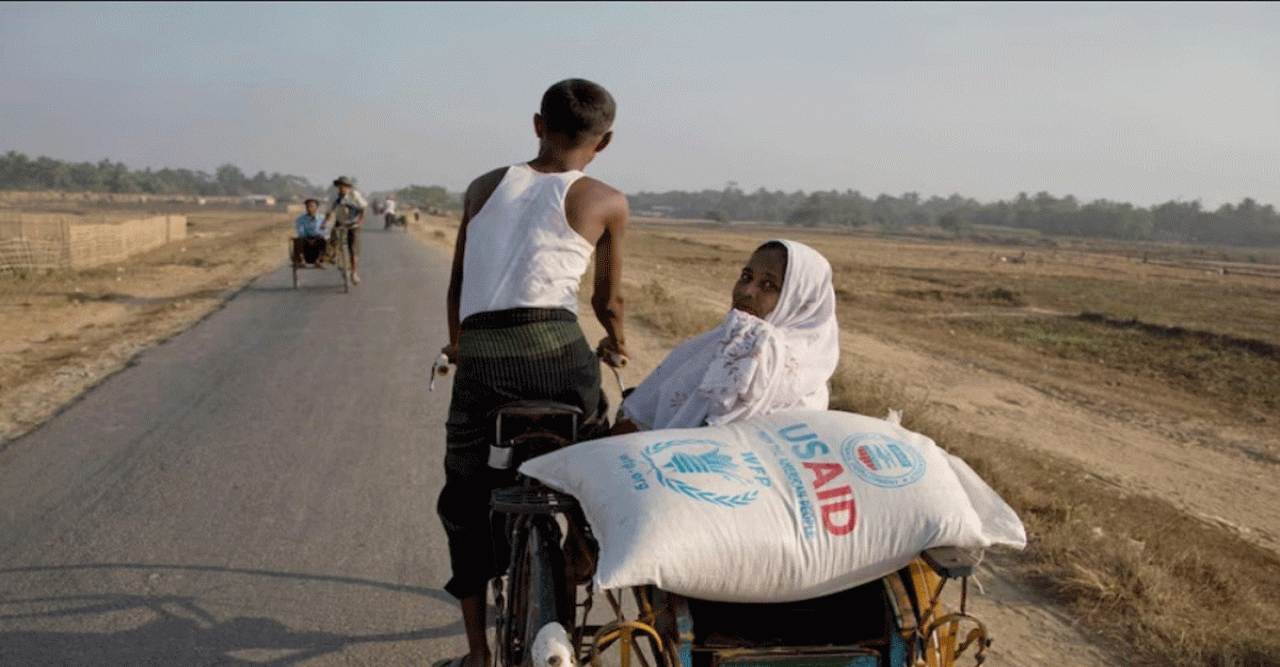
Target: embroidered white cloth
[{"x": 748, "y": 366}]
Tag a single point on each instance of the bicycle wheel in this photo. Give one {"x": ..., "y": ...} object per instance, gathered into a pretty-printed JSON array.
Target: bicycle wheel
[{"x": 537, "y": 592}]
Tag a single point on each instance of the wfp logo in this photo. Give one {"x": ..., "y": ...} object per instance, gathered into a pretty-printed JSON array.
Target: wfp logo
[
  {"x": 704, "y": 470},
  {"x": 880, "y": 460}
]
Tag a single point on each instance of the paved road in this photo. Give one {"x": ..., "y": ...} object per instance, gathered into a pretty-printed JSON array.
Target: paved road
[{"x": 257, "y": 490}]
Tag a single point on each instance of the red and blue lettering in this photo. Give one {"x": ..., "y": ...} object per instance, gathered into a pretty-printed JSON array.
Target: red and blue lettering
[{"x": 839, "y": 513}]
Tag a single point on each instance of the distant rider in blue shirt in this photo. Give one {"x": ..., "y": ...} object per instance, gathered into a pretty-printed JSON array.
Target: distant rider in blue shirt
[{"x": 310, "y": 242}]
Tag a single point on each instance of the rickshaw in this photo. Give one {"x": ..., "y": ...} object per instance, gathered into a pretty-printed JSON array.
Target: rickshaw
[
  {"x": 338, "y": 251},
  {"x": 545, "y": 598},
  {"x": 331, "y": 255}
]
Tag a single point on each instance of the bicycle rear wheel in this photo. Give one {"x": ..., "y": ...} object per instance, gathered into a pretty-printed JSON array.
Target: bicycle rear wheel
[{"x": 537, "y": 591}]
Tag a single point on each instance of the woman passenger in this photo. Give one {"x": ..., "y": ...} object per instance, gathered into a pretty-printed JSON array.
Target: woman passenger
[{"x": 776, "y": 349}]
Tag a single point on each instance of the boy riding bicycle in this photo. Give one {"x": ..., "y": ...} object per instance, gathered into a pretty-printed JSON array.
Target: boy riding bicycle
[{"x": 527, "y": 235}]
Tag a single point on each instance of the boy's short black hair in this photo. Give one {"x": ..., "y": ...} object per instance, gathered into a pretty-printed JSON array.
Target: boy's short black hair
[
  {"x": 577, "y": 108},
  {"x": 308, "y": 201}
]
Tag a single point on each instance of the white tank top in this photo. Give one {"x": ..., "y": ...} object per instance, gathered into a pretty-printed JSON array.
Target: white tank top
[{"x": 522, "y": 220}]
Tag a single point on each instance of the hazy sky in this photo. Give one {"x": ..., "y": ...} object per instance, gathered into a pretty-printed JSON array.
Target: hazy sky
[{"x": 1140, "y": 102}]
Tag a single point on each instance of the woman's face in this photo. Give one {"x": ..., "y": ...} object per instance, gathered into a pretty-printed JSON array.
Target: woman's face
[{"x": 760, "y": 284}]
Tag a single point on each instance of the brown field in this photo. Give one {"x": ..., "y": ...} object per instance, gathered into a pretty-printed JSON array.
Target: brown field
[
  {"x": 1127, "y": 409},
  {"x": 64, "y": 331}
]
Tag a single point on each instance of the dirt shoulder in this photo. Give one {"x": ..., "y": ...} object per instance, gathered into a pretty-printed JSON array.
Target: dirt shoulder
[{"x": 60, "y": 334}]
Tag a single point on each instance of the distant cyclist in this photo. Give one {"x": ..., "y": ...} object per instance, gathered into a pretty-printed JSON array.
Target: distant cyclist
[
  {"x": 389, "y": 211},
  {"x": 347, "y": 212}
]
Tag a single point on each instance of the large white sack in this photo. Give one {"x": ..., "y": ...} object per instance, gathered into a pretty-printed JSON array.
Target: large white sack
[{"x": 782, "y": 507}]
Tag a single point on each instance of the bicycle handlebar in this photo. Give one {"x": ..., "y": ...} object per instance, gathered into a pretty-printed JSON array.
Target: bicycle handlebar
[{"x": 441, "y": 368}]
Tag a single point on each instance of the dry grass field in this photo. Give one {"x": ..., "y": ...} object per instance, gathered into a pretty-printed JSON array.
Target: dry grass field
[
  {"x": 1127, "y": 409},
  {"x": 1123, "y": 399},
  {"x": 64, "y": 331}
]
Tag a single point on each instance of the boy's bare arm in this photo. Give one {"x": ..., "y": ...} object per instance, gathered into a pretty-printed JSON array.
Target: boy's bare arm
[
  {"x": 606, "y": 299},
  {"x": 598, "y": 213}
]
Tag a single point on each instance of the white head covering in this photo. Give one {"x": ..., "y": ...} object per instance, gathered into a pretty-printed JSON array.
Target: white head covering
[{"x": 748, "y": 366}]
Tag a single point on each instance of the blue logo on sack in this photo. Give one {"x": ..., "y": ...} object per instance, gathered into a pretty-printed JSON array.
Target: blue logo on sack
[
  {"x": 702, "y": 469},
  {"x": 880, "y": 460}
]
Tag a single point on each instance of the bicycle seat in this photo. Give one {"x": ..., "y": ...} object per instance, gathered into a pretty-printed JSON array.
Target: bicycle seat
[
  {"x": 536, "y": 409},
  {"x": 535, "y": 428}
]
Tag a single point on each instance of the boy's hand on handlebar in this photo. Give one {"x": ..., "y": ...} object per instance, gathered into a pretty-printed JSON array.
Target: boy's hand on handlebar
[
  {"x": 612, "y": 352},
  {"x": 450, "y": 351}
]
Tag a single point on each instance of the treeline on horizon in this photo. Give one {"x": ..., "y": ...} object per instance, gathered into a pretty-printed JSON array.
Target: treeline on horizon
[
  {"x": 1247, "y": 223},
  {"x": 18, "y": 172}
]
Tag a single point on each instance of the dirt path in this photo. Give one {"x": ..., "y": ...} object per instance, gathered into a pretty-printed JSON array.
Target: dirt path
[{"x": 1210, "y": 466}]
